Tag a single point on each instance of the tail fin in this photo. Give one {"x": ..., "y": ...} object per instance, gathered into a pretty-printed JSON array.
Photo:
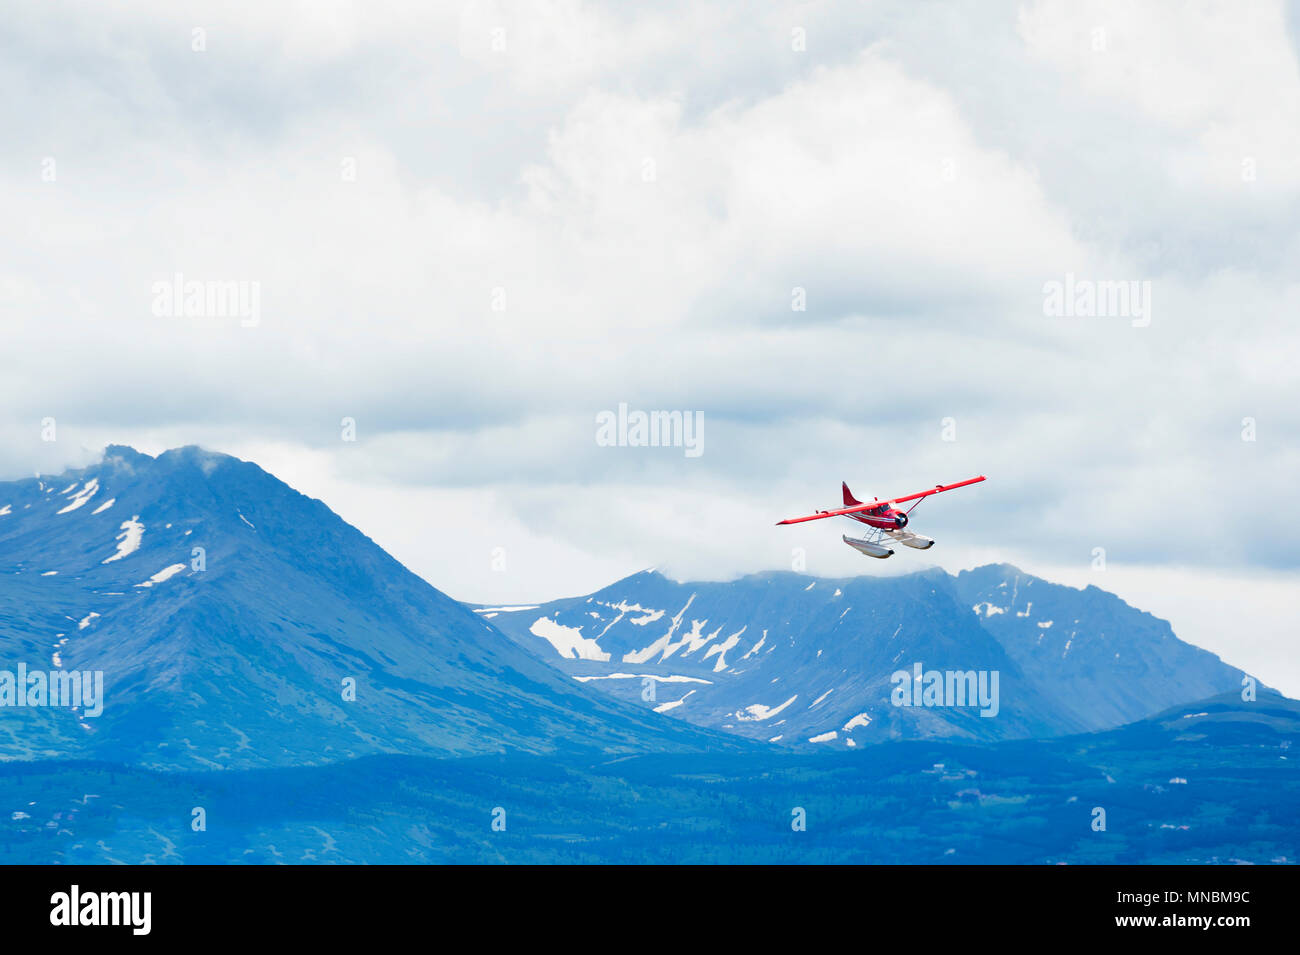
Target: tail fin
[{"x": 849, "y": 499}]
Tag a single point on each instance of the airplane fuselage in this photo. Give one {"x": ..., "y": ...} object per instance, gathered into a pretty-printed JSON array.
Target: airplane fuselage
[{"x": 887, "y": 518}]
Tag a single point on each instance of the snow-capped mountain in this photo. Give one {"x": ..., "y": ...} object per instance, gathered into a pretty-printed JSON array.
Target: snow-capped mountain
[
  {"x": 1105, "y": 662},
  {"x": 238, "y": 623},
  {"x": 797, "y": 660}
]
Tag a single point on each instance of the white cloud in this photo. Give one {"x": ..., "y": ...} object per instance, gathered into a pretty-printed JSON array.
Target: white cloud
[
  {"x": 645, "y": 188},
  {"x": 1221, "y": 74}
]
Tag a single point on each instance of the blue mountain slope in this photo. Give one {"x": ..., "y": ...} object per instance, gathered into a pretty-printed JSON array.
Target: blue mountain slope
[
  {"x": 792, "y": 659},
  {"x": 243, "y": 662},
  {"x": 1107, "y": 662}
]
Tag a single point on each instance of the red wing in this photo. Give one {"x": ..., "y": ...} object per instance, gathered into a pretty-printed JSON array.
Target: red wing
[
  {"x": 936, "y": 489},
  {"x": 822, "y": 515}
]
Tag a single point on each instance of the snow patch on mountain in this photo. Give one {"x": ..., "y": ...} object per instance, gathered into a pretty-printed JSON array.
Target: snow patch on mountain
[
  {"x": 129, "y": 540},
  {"x": 664, "y": 643},
  {"x": 568, "y": 641},
  {"x": 693, "y": 640},
  {"x": 82, "y": 496},
  {"x": 164, "y": 574},
  {"x": 672, "y": 704},
  {"x": 676, "y": 678},
  {"x": 623, "y": 607},
  {"x": 756, "y": 712},
  {"x": 756, "y": 647},
  {"x": 722, "y": 648},
  {"x": 862, "y": 719}
]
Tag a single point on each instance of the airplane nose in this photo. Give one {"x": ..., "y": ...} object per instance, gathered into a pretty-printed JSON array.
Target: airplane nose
[{"x": 901, "y": 520}]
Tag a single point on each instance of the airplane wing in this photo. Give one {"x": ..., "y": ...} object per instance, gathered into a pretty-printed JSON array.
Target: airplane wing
[
  {"x": 936, "y": 489},
  {"x": 822, "y": 515}
]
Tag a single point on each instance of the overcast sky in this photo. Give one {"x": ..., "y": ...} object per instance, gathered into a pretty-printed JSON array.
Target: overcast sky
[{"x": 473, "y": 227}]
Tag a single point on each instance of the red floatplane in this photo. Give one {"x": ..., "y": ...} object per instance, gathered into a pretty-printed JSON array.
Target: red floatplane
[{"x": 884, "y": 518}]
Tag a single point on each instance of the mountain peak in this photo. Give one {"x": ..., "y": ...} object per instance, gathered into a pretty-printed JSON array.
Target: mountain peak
[
  {"x": 123, "y": 457},
  {"x": 191, "y": 455},
  {"x": 239, "y": 622},
  {"x": 1000, "y": 569}
]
